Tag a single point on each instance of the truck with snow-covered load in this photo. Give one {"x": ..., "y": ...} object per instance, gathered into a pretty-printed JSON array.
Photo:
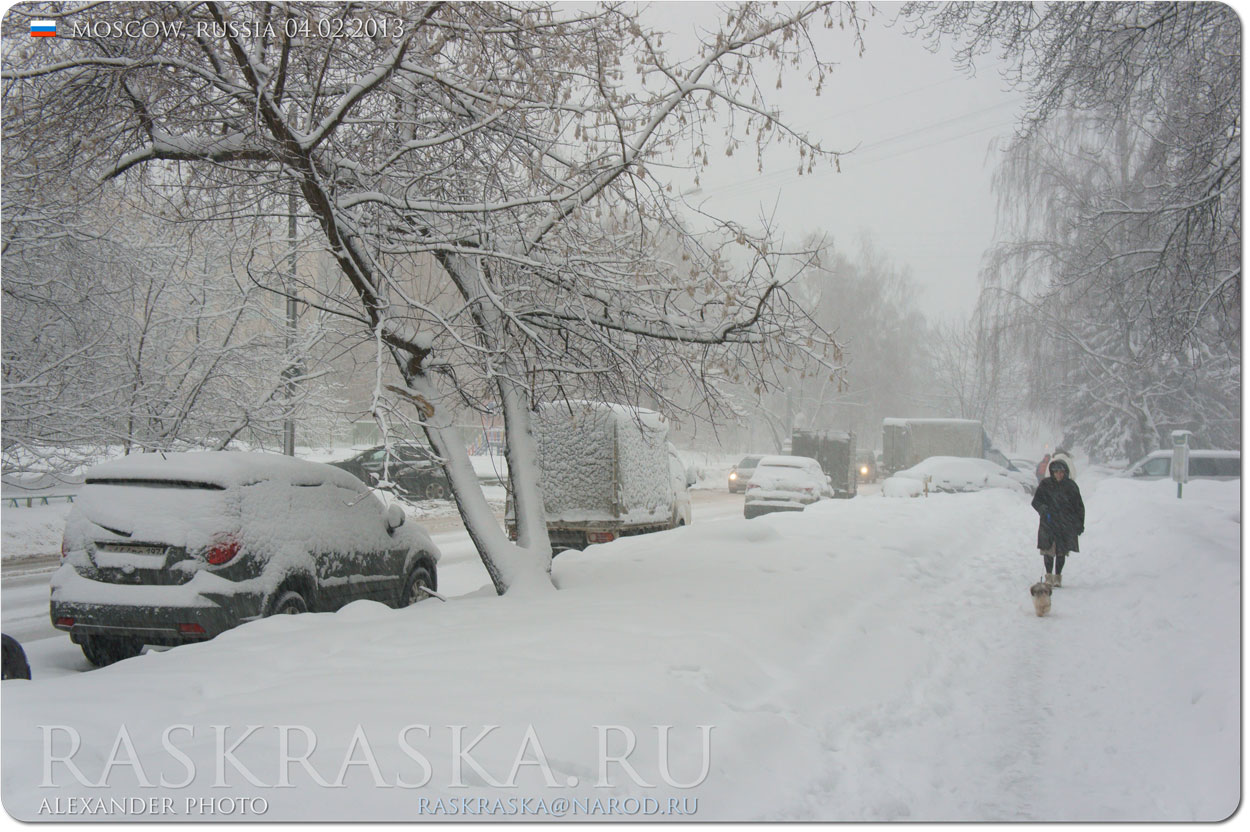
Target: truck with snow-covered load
[
  {"x": 606, "y": 471},
  {"x": 908, "y": 442}
]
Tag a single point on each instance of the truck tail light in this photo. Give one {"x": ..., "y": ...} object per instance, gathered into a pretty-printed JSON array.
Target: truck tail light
[
  {"x": 191, "y": 629},
  {"x": 600, "y": 537},
  {"x": 223, "y": 550},
  {"x": 64, "y": 547},
  {"x": 65, "y": 622}
]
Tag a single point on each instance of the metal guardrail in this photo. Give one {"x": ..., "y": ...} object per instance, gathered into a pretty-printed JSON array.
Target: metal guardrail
[{"x": 41, "y": 500}]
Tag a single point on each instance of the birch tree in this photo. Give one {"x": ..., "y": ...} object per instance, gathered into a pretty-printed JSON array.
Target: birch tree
[{"x": 514, "y": 144}]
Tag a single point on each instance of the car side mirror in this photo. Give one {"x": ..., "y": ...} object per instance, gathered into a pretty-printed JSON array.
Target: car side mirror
[{"x": 395, "y": 518}]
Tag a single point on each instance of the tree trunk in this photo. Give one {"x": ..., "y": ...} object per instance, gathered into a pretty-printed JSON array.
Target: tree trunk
[{"x": 523, "y": 567}]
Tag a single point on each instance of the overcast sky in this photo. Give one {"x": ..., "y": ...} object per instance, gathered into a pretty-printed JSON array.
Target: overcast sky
[{"x": 919, "y": 180}]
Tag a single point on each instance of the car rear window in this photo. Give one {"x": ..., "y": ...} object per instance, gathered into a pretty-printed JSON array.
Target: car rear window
[
  {"x": 169, "y": 512},
  {"x": 144, "y": 483}
]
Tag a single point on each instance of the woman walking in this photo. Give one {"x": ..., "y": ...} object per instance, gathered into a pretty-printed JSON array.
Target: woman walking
[{"x": 1061, "y": 514}]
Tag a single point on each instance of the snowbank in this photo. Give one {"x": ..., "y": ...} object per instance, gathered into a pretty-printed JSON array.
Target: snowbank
[
  {"x": 862, "y": 660},
  {"x": 34, "y": 531}
]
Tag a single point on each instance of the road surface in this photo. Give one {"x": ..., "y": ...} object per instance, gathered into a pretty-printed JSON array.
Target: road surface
[{"x": 24, "y": 588}]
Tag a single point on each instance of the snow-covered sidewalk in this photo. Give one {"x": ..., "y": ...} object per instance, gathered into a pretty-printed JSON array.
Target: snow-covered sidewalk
[{"x": 872, "y": 659}]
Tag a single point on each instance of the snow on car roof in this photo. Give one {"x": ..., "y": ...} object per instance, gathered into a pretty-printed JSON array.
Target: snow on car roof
[
  {"x": 1209, "y": 453},
  {"x": 787, "y": 462},
  {"x": 223, "y": 468}
]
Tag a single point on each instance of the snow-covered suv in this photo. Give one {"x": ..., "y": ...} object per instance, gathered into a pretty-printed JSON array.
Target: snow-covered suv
[{"x": 171, "y": 548}]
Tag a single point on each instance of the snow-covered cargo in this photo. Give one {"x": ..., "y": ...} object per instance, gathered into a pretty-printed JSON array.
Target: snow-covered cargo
[
  {"x": 907, "y": 442},
  {"x": 605, "y": 472}
]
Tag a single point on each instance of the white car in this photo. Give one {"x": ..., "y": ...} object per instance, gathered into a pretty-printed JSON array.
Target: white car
[
  {"x": 785, "y": 483},
  {"x": 1203, "y": 464},
  {"x": 957, "y": 474}
]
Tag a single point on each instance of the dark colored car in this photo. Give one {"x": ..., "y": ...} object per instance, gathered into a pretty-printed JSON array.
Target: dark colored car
[
  {"x": 866, "y": 466},
  {"x": 413, "y": 468},
  {"x": 741, "y": 473},
  {"x": 174, "y": 548}
]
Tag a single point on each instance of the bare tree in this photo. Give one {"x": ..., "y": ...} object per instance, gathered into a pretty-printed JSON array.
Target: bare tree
[
  {"x": 511, "y": 143},
  {"x": 143, "y": 340}
]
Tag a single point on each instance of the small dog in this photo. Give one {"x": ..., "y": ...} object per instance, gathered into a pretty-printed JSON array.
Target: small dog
[{"x": 1041, "y": 597}]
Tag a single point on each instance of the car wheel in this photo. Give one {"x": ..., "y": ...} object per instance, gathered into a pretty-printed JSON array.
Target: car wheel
[
  {"x": 419, "y": 577},
  {"x": 436, "y": 490},
  {"x": 289, "y": 603},
  {"x": 105, "y": 650}
]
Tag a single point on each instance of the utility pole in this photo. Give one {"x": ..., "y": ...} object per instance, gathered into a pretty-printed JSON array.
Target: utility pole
[{"x": 288, "y": 424}]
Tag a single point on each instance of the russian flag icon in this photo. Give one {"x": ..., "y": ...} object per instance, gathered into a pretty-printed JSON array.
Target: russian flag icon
[{"x": 43, "y": 28}]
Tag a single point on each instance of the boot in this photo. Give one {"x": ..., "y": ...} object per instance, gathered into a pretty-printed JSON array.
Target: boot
[
  {"x": 1058, "y": 581},
  {"x": 1050, "y": 579}
]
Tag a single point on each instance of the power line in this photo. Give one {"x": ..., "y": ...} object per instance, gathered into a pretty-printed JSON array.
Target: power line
[{"x": 748, "y": 185}]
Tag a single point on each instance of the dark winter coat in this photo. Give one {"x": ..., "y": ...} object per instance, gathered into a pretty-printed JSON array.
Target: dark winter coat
[{"x": 1061, "y": 513}]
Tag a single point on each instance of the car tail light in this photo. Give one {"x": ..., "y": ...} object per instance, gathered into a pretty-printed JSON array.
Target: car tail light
[
  {"x": 191, "y": 629},
  {"x": 600, "y": 537},
  {"x": 65, "y": 622},
  {"x": 223, "y": 551},
  {"x": 751, "y": 486}
]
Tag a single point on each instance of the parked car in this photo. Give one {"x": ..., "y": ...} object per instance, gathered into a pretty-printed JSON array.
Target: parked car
[
  {"x": 1203, "y": 464},
  {"x": 741, "y": 473},
  {"x": 415, "y": 469},
  {"x": 866, "y": 466},
  {"x": 1024, "y": 466},
  {"x": 785, "y": 483},
  {"x": 996, "y": 456},
  {"x": 955, "y": 474},
  {"x": 172, "y": 548}
]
